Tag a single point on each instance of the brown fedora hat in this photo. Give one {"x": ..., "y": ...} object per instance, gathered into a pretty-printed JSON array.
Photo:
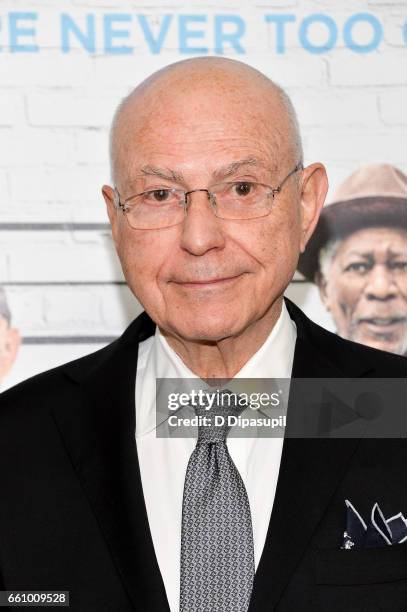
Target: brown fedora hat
[{"x": 375, "y": 195}]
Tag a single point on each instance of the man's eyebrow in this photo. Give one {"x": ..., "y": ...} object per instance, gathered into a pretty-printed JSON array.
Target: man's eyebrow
[
  {"x": 370, "y": 254},
  {"x": 366, "y": 254},
  {"x": 164, "y": 173},
  {"x": 219, "y": 174},
  {"x": 233, "y": 167}
]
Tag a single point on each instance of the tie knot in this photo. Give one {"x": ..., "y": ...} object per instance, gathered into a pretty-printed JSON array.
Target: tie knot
[{"x": 215, "y": 412}]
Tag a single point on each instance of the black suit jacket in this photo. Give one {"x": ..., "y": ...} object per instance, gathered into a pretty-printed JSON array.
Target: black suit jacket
[{"x": 72, "y": 513}]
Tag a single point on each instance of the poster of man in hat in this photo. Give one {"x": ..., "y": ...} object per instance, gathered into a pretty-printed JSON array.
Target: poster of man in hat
[{"x": 358, "y": 258}]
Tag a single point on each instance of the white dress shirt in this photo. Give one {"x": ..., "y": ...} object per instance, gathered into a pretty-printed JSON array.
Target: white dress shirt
[{"x": 163, "y": 461}]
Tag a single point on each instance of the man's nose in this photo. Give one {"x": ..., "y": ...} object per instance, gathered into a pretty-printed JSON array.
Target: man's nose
[
  {"x": 201, "y": 229},
  {"x": 380, "y": 284}
]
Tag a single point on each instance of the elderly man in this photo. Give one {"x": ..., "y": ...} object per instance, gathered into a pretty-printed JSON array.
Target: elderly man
[
  {"x": 9, "y": 338},
  {"x": 210, "y": 209},
  {"x": 358, "y": 258}
]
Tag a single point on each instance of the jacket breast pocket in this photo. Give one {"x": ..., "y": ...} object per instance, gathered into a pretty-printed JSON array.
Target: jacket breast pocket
[{"x": 362, "y": 580}]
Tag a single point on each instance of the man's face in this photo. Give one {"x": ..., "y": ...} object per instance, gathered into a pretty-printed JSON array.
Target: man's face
[
  {"x": 366, "y": 288},
  {"x": 208, "y": 278}
]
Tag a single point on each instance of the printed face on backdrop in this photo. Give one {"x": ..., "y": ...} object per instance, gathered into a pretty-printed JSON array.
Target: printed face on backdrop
[
  {"x": 365, "y": 288},
  {"x": 208, "y": 278},
  {"x": 9, "y": 344}
]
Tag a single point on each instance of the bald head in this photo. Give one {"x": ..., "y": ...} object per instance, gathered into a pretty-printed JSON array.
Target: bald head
[{"x": 193, "y": 90}]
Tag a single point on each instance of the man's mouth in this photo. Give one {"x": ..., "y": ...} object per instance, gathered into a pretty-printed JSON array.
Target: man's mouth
[
  {"x": 207, "y": 281},
  {"x": 384, "y": 322}
]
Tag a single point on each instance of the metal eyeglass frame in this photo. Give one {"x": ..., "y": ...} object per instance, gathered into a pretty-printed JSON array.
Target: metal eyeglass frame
[{"x": 211, "y": 197}]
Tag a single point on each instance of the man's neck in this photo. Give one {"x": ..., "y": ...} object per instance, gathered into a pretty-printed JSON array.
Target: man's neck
[{"x": 226, "y": 357}]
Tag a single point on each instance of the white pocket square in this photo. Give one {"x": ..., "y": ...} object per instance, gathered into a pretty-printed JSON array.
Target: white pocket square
[{"x": 378, "y": 532}]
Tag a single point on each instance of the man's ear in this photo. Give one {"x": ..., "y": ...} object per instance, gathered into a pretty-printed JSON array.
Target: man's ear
[
  {"x": 314, "y": 187},
  {"x": 108, "y": 194}
]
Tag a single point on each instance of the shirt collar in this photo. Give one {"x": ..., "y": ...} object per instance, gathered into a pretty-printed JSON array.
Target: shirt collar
[{"x": 157, "y": 359}]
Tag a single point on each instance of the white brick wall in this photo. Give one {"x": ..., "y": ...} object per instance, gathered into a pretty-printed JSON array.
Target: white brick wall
[
  {"x": 376, "y": 70},
  {"x": 23, "y": 146},
  {"x": 392, "y": 105},
  {"x": 55, "y": 110},
  {"x": 68, "y": 109}
]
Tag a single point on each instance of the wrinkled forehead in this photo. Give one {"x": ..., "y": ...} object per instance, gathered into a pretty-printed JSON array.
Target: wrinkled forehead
[
  {"x": 375, "y": 242},
  {"x": 201, "y": 125}
]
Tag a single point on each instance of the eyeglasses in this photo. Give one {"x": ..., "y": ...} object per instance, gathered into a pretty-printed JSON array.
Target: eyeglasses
[{"x": 164, "y": 207}]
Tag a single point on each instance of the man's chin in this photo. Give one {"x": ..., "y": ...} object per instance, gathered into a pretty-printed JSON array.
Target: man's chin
[
  {"x": 391, "y": 345},
  {"x": 204, "y": 330}
]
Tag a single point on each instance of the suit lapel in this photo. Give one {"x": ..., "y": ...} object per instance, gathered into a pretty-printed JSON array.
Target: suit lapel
[
  {"x": 310, "y": 471},
  {"x": 99, "y": 437}
]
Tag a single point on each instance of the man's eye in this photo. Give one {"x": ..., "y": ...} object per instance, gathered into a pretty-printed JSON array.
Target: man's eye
[
  {"x": 358, "y": 266},
  {"x": 243, "y": 188},
  {"x": 398, "y": 265},
  {"x": 158, "y": 195}
]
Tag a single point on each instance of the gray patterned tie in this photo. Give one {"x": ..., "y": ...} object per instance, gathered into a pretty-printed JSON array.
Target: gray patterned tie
[{"x": 217, "y": 555}]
